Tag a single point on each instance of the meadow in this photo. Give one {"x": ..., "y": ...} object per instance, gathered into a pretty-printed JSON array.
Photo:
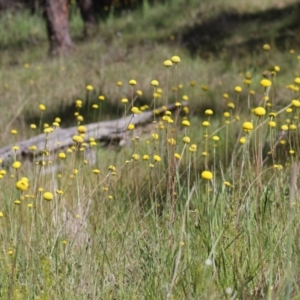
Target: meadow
[{"x": 202, "y": 203}]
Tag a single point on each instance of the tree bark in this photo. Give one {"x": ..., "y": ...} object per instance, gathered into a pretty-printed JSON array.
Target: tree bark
[
  {"x": 57, "y": 20},
  {"x": 87, "y": 11}
]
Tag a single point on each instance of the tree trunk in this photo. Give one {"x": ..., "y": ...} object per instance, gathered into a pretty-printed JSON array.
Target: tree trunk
[
  {"x": 87, "y": 11},
  {"x": 57, "y": 21}
]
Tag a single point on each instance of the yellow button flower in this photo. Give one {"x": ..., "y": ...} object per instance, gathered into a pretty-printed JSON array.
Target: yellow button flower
[
  {"x": 207, "y": 175},
  {"x": 48, "y": 196}
]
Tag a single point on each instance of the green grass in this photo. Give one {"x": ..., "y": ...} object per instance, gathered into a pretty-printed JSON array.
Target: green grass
[{"x": 154, "y": 230}]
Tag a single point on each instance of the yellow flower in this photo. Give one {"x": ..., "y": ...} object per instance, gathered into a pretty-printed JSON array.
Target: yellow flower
[
  {"x": 42, "y": 107},
  {"x": 231, "y": 105},
  {"x": 193, "y": 148},
  {"x": 79, "y": 118},
  {"x": 135, "y": 110},
  {"x": 186, "y": 140},
  {"x": 112, "y": 168},
  {"x": 266, "y": 47},
  {"x": 186, "y": 123},
  {"x": 265, "y": 82},
  {"x": 139, "y": 92},
  {"x": 209, "y": 112},
  {"x": 177, "y": 155},
  {"x": 22, "y": 185},
  {"x": 16, "y": 165},
  {"x": 155, "y": 136},
  {"x": 172, "y": 142},
  {"x": 156, "y": 158},
  {"x": 168, "y": 63},
  {"x": 13, "y": 131},
  {"x": 48, "y": 130},
  {"x": 215, "y": 138},
  {"x": 154, "y": 83},
  {"x": 77, "y": 139},
  {"x": 101, "y": 98},
  {"x": 55, "y": 124},
  {"x": 207, "y": 175},
  {"x": 135, "y": 157},
  {"x": 32, "y": 126},
  {"x": 225, "y": 96},
  {"x": 206, "y": 124},
  {"x": 146, "y": 157},
  {"x": 259, "y": 111},
  {"x": 192, "y": 83},
  {"x": 1, "y": 214},
  {"x": 293, "y": 127},
  {"x": 175, "y": 59},
  {"x": 95, "y": 106},
  {"x": 297, "y": 80},
  {"x": 89, "y": 87},
  {"x": 247, "y": 126},
  {"x": 130, "y": 126},
  {"x": 204, "y": 88},
  {"x": 132, "y": 82},
  {"x": 296, "y": 103},
  {"x": 185, "y": 98},
  {"x": 62, "y": 155},
  {"x": 119, "y": 83},
  {"x": 48, "y": 196},
  {"x": 81, "y": 129},
  {"x": 226, "y": 114},
  {"x": 237, "y": 89},
  {"x": 96, "y": 171},
  {"x": 284, "y": 127},
  {"x": 272, "y": 124}
]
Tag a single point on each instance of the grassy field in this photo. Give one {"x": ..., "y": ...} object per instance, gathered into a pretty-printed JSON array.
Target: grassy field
[{"x": 201, "y": 204}]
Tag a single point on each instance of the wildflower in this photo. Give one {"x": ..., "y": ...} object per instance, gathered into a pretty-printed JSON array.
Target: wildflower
[
  {"x": 284, "y": 127},
  {"x": 186, "y": 123},
  {"x": 77, "y": 139},
  {"x": 297, "y": 80},
  {"x": 1, "y": 214},
  {"x": 78, "y": 103},
  {"x": 81, "y": 129},
  {"x": 130, "y": 126},
  {"x": 32, "y": 126},
  {"x": 48, "y": 196},
  {"x": 101, "y": 98},
  {"x": 146, "y": 157},
  {"x": 135, "y": 157},
  {"x": 278, "y": 167},
  {"x": 177, "y": 155},
  {"x": 112, "y": 168},
  {"x": 154, "y": 83},
  {"x": 225, "y": 96},
  {"x": 42, "y": 107},
  {"x": 61, "y": 155},
  {"x": 135, "y": 110},
  {"x": 237, "y": 89},
  {"x": 185, "y": 98},
  {"x": 119, "y": 83},
  {"x": 139, "y": 92},
  {"x": 289, "y": 110},
  {"x": 79, "y": 118},
  {"x": 226, "y": 114},
  {"x": 172, "y": 142},
  {"x": 193, "y": 148},
  {"x": 168, "y": 63},
  {"x": 206, "y": 124},
  {"x": 204, "y": 88},
  {"x": 59, "y": 192},
  {"x": 16, "y": 165},
  {"x": 266, "y": 47},
  {"x": 186, "y": 140},
  {"x": 96, "y": 171},
  {"x": 124, "y": 100},
  {"x": 55, "y": 124},
  {"x": 207, "y": 175},
  {"x": 242, "y": 140},
  {"x": 215, "y": 138},
  {"x": 272, "y": 124},
  {"x": 259, "y": 111},
  {"x": 227, "y": 183},
  {"x": 89, "y": 87},
  {"x": 265, "y": 83},
  {"x": 247, "y": 126},
  {"x": 296, "y": 103},
  {"x": 95, "y": 106},
  {"x": 293, "y": 127},
  {"x": 13, "y": 131},
  {"x": 132, "y": 82},
  {"x": 155, "y": 136},
  {"x": 231, "y": 105},
  {"x": 22, "y": 185},
  {"x": 247, "y": 81},
  {"x": 48, "y": 130},
  {"x": 157, "y": 158},
  {"x": 175, "y": 59},
  {"x": 209, "y": 112}
]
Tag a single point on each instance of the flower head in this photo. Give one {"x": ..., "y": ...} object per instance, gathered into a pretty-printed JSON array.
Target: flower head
[
  {"x": 259, "y": 111},
  {"x": 207, "y": 175},
  {"x": 132, "y": 82},
  {"x": 247, "y": 126},
  {"x": 48, "y": 196},
  {"x": 265, "y": 82},
  {"x": 168, "y": 63},
  {"x": 89, "y": 87},
  {"x": 175, "y": 59},
  {"x": 154, "y": 83},
  {"x": 237, "y": 89}
]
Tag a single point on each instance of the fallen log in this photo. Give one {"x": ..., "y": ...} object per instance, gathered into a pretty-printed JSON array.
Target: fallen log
[{"x": 61, "y": 138}]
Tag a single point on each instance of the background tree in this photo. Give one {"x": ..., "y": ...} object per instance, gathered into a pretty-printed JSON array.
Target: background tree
[{"x": 56, "y": 13}]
